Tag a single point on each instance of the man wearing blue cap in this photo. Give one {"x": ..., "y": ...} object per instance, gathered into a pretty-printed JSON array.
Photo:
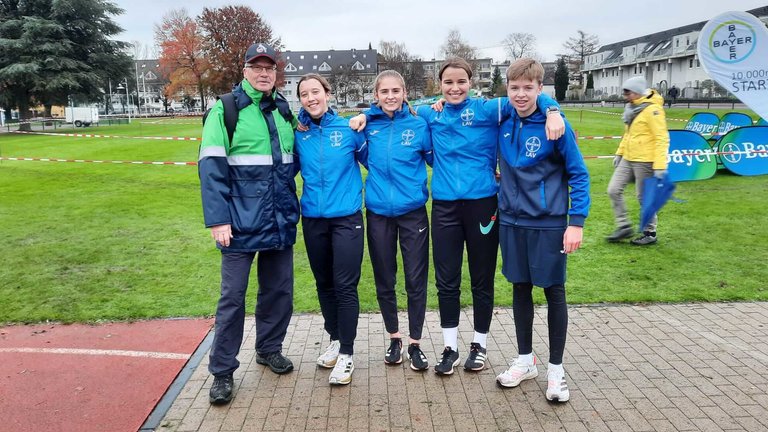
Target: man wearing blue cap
[
  {"x": 250, "y": 205},
  {"x": 642, "y": 153}
]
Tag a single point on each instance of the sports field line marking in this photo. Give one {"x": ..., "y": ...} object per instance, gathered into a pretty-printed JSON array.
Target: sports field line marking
[{"x": 98, "y": 352}]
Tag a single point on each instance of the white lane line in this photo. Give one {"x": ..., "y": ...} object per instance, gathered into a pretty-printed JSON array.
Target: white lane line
[{"x": 77, "y": 351}]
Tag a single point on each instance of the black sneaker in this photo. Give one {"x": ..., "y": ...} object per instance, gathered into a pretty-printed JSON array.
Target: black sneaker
[
  {"x": 276, "y": 361},
  {"x": 477, "y": 357},
  {"x": 620, "y": 234},
  {"x": 394, "y": 353},
  {"x": 449, "y": 360},
  {"x": 418, "y": 359},
  {"x": 221, "y": 390},
  {"x": 646, "y": 239}
]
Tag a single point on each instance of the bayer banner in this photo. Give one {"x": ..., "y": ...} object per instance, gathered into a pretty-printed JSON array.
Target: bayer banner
[
  {"x": 690, "y": 157},
  {"x": 762, "y": 122},
  {"x": 703, "y": 123},
  {"x": 733, "y": 120},
  {"x": 744, "y": 151},
  {"x": 733, "y": 47}
]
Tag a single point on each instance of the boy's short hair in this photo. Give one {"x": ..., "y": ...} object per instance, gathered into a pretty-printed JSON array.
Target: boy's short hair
[
  {"x": 525, "y": 68},
  {"x": 458, "y": 63}
]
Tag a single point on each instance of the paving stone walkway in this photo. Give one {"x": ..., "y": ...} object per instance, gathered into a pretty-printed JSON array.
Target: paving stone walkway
[{"x": 697, "y": 367}]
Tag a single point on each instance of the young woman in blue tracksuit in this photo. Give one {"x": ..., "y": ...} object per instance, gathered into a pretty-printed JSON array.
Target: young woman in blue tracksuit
[
  {"x": 399, "y": 147},
  {"x": 543, "y": 202},
  {"x": 464, "y": 206},
  {"x": 332, "y": 221}
]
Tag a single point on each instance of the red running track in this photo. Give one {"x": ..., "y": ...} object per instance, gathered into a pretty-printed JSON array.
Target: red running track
[{"x": 90, "y": 377}]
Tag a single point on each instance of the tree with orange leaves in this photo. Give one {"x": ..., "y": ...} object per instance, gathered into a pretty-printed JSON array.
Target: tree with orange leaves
[{"x": 182, "y": 54}]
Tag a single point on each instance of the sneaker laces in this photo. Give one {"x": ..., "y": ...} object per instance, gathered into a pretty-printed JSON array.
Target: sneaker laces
[{"x": 446, "y": 355}]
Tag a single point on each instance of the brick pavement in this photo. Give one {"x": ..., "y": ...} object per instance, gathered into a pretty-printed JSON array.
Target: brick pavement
[{"x": 698, "y": 367}]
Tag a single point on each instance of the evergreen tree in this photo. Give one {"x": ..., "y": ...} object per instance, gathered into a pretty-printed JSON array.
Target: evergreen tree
[
  {"x": 561, "y": 79},
  {"x": 53, "y": 50},
  {"x": 497, "y": 84}
]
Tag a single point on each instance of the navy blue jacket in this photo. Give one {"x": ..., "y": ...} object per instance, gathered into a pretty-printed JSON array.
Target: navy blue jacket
[
  {"x": 398, "y": 148},
  {"x": 328, "y": 154},
  {"x": 536, "y": 175}
]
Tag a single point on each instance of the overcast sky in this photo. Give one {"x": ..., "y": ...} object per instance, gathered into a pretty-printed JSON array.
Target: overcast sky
[{"x": 424, "y": 24}]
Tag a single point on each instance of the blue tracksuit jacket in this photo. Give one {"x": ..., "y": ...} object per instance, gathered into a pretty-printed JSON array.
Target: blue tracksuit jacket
[
  {"x": 328, "y": 154},
  {"x": 398, "y": 148}
]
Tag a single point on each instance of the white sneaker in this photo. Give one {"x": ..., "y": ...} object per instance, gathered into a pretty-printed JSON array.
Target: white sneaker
[
  {"x": 517, "y": 373},
  {"x": 557, "y": 388},
  {"x": 328, "y": 358},
  {"x": 342, "y": 372}
]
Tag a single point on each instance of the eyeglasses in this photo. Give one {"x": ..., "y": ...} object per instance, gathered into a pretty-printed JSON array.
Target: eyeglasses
[{"x": 261, "y": 69}]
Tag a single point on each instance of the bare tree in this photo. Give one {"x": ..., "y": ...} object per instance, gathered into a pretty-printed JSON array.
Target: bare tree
[
  {"x": 579, "y": 48},
  {"x": 456, "y": 46},
  {"x": 396, "y": 57},
  {"x": 519, "y": 45}
]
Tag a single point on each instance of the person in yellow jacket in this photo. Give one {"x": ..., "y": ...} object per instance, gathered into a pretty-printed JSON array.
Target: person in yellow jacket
[{"x": 642, "y": 153}]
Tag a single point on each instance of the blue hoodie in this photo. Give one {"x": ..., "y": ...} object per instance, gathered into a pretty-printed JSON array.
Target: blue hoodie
[
  {"x": 398, "y": 147},
  {"x": 464, "y": 139},
  {"x": 328, "y": 154},
  {"x": 536, "y": 175}
]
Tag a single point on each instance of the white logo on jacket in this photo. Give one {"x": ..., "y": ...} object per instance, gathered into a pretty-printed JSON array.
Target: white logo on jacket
[
  {"x": 407, "y": 136},
  {"x": 532, "y": 145},
  {"x": 336, "y": 138},
  {"x": 467, "y": 116}
]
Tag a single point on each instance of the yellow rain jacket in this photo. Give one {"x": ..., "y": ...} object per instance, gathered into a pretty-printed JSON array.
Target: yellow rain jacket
[{"x": 646, "y": 139}]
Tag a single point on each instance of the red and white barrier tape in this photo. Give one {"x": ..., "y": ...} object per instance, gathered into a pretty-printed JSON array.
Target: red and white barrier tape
[
  {"x": 70, "y": 135},
  {"x": 706, "y": 153},
  {"x": 96, "y": 161},
  {"x": 618, "y": 114}
]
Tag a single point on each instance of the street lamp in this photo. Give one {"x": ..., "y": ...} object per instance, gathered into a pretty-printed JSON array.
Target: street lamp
[{"x": 127, "y": 100}]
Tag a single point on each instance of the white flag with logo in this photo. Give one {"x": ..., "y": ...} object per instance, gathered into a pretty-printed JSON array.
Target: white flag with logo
[{"x": 733, "y": 47}]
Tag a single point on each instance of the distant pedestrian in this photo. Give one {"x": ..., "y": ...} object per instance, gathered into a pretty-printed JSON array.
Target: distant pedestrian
[
  {"x": 642, "y": 153},
  {"x": 672, "y": 94},
  {"x": 250, "y": 205}
]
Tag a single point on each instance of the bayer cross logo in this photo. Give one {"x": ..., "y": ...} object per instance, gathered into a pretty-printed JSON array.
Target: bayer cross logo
[
  {"x": 336, "y": 139},
  {"x": 731, "y": 148},
  {"x": 407, "y": 136},
  {"x": 532, "y": 145},
  {"x": 467, "y": 116},
  {"x": 733, "y": 41}
]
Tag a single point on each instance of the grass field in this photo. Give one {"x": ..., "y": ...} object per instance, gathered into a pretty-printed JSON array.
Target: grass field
[{"x": 90, "y": 242}]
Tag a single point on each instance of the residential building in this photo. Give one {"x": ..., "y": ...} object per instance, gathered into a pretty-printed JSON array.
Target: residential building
[
  {"x": 350, "y": 72},
  {"x": 665, "y": 59}
]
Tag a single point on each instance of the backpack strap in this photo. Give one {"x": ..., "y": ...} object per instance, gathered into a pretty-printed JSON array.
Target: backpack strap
[{"x": 231, "y": 113}]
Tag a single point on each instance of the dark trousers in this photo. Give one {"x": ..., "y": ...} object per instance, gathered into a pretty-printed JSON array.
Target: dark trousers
[
  {"x": 335, "y": 252},
  {"x": 557, "y": 319},
  {"x": 413, "y": 230},
  {"x": 453, "y": 224},
  {"x": 274, "y": 305}
]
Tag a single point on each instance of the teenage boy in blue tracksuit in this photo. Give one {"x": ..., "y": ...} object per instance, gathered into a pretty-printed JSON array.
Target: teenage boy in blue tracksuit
[
  {"x": 543, "y": 202},
  {"x": 399, "y": 148},
  {"x": 332, "y": 220}
]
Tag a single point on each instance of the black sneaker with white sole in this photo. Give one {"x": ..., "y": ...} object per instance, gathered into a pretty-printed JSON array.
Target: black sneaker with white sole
[
  {"x": 450, "y": 358},
  {"x": 418, "y": 359},
  {"x": 477, "y": 357},
  {"x": 394, "y": 354}
]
